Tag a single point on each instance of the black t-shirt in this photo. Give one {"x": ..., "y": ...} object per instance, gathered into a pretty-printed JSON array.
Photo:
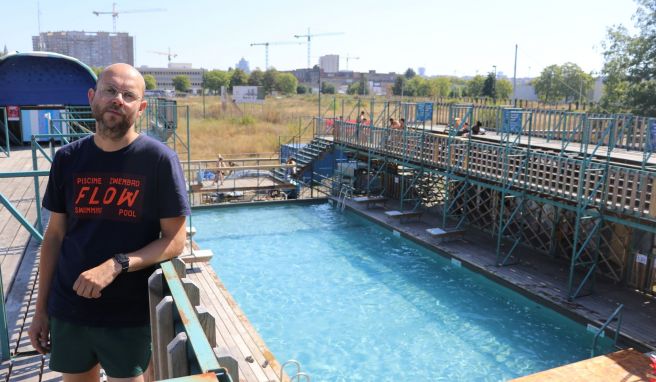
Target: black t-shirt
[{"x": 113, "y": 202}]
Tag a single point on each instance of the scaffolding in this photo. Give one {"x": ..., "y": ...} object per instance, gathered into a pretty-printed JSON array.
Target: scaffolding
[{"x": 570, "y": 185}]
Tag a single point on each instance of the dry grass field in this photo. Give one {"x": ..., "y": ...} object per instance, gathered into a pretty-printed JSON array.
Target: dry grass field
[{"x": 252, "y": 128}]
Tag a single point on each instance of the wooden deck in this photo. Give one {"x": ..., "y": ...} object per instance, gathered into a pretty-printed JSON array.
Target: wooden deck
[
  {"x": 19, "y": 191},
  {"x": 625, "y": 366}
]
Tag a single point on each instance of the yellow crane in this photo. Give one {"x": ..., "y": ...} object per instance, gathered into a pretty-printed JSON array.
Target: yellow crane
[
  {"x": 309, "y": 39},
  {"x": 114, "y": 12},
  {"x": 266, "y": 49},
  {"x": 169, "y": 54}
]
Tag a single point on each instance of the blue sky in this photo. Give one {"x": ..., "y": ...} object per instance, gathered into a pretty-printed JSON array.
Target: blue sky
[{"x": 461, "y": 37}]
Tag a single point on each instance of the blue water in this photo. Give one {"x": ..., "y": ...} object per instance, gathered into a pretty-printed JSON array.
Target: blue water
[{"x": 352, "y": 302}]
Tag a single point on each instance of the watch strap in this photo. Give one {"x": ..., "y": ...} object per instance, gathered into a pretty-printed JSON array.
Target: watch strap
[{"x": 123, "y": 260}]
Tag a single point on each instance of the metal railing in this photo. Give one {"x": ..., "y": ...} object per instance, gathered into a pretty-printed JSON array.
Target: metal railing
[{"x": 617, "y": 315}]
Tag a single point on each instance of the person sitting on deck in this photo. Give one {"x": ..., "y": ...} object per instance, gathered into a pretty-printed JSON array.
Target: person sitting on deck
[
  {"x": 402, "y": 123},
  {"x": 464, "y": 130},
  {"x": 478, "y": 129},
  {"x": 291, "y": 169}
]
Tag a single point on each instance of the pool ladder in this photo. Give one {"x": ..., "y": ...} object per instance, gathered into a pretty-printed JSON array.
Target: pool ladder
[
  {"x": 299, "y": 374},
  {"x": 344, "y": 192}
]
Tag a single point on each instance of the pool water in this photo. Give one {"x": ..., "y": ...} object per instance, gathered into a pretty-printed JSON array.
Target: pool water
[{"x": 353, "y": 302}]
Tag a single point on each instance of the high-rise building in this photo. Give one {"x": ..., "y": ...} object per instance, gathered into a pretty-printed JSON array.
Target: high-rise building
[
  {"x": 243, "y": 66},
  {"x": 92, "y": 48},
  {"x": 329, "y": 63}
]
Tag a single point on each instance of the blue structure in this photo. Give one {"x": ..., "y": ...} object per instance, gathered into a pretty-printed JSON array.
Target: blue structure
[
  {"x": 35, "y": 84},
  {"x": 42, "y": 78}
]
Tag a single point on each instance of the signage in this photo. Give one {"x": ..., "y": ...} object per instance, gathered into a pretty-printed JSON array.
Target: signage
[
  {"x": 248, "y": 94},
  {"x": 424, "y": 112},
  {"x": 13, "y": 113},
  {"x": 512, "y": 121}
]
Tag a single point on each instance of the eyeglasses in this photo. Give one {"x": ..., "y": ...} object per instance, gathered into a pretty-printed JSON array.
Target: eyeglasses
[{"x": 110, "y": 92}]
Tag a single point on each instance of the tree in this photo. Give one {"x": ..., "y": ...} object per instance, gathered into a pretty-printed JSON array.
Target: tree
[
  {"x": 440, "y": 87},
  {"x": 327, "y": 88},
  {"x": 630, "y": 64},
  {"x": 269, "y": 80},
  {"x": 256, "y": 78},
  {"x": 363, "y": 88},
  {"x": 97, "y": 70},
  {"x": 475, "y": 86},
  {"x": 215, "y": 79},
  {"x": 151, "y": 82},
  {"x": 300, "y": 89},
  {"x": 575, "y": 83},
  {"x": 399, "y": 84},
  {"x": 504, "y": 88},
  {"x": 420, "y": 85},
  {"x": 355, "y": 88},
  {"x": 490, "y": 86},
  {"x": 409, "y": 73},
  {"x": 286, "y": 83},
  {"x": 181, "y": 83},
  {"x": 238, "y": 78},
  {"x": 547, "y": 86}
]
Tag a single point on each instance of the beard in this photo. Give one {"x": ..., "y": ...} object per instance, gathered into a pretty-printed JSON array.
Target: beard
[{"x": 111, "y": 125}]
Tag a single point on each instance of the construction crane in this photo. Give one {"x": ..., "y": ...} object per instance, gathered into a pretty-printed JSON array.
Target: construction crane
[
  {"x": 309, "y": 39},
  {"x": 169, "y": 54},
  {"x": 350, "y": 58},
  {"x": 266, "y": 49},
  {"x": 115, "y": 12}
]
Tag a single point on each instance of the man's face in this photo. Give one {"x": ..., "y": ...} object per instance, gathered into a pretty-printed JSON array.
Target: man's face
[{"x": 117, "y": 102}]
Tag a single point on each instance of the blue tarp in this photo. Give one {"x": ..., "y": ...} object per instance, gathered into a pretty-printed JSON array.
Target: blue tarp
[{"x": 43, "y": 78}]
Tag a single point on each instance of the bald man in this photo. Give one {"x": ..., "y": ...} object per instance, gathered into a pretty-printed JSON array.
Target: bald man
[{"x": 118, "y": 204}]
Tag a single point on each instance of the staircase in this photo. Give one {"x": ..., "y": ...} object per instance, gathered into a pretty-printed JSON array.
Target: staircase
[{"x": 304, "y": 157}]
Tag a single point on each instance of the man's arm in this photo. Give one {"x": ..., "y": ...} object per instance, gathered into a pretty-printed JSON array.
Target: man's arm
[
  {"x": 50, "y": 248},
  {"x": 171, "y": 243}
]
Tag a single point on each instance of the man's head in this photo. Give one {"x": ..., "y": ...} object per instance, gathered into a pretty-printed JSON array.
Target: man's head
[{"x": 118, "y": 100}]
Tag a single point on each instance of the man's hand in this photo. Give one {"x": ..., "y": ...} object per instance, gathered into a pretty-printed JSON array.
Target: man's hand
[
  {"x": 91, "y": 282},
  {"x": 39, "y": 333}
]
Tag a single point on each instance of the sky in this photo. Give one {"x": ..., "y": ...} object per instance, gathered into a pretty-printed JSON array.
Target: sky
[{"x": 458, "y": 37}]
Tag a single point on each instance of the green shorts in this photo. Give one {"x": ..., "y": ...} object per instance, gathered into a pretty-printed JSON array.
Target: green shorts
[{"x": 122, "y": 352}]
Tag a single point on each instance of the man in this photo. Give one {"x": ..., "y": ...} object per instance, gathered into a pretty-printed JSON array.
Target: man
[{"x": 118, "y": 201}]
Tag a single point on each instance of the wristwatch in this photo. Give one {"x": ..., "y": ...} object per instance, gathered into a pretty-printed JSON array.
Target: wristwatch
[{"x": 123, "y": 260}]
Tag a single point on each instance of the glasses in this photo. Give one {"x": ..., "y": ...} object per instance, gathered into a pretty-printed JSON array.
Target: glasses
[{"x": 110, "y": 92}]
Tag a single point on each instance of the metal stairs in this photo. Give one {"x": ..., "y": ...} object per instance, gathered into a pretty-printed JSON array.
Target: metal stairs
[{"x": 304, "y": 158}]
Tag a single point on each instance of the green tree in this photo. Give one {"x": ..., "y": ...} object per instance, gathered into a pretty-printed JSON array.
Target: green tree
[
  {"x": 256, "y": 78},
  {"x": 215, "y": 79},
  {"x": 576, "y": 83},
  {"x": 630, "y": 64},
  {"x": 420, "y": 85},
  {"x": 504, "y": 88},
  {"x": 151, "y": 82},
  {"x": 356, "y": 88},
  {"x": 547, "y": 86},
  {"x": 301, "y": 89},
  {"x": 327, "y": 88},
  {"x": 238, "y": 78},
  {"x": 97, "y": 70},
  {"x": 399, "y": 84},
  {"x": 181, "y": 83},
  {"x": 440, "y": 87},
  {"x": 490, "y": 86},
  {"x": 475, "y": 86},
  {"x": 286, "y": 83},
  {"x": 269, "y": 80},
  {"x": 409, "y": 73}
]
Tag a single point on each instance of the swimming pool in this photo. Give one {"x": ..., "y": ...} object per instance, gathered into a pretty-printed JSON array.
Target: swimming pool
[{"x": 352, "y": 302}]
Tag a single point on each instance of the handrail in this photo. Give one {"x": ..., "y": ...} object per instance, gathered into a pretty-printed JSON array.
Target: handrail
[
  {"x": 616, "y": 314},
  {"x": 180, "y": 341}
]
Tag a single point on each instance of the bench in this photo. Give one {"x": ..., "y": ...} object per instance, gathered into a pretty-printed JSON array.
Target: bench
[
  {"x": 404, "y": 215},
  {"x": 370, "y": 200},
  {"x": 446, "y": 233},
  {"x": 198, "y": 256}
]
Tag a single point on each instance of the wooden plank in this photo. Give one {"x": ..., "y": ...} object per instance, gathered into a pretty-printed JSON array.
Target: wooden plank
[
  {"x": 624, "y": 365},
  {"x": 164, "y": 329},
  {"x": 227, "y": 333},
  {"x": 176, "y": 357}
]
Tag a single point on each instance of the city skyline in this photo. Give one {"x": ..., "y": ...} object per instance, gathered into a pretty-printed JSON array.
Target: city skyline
[{"x": 443, "y": 38}]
